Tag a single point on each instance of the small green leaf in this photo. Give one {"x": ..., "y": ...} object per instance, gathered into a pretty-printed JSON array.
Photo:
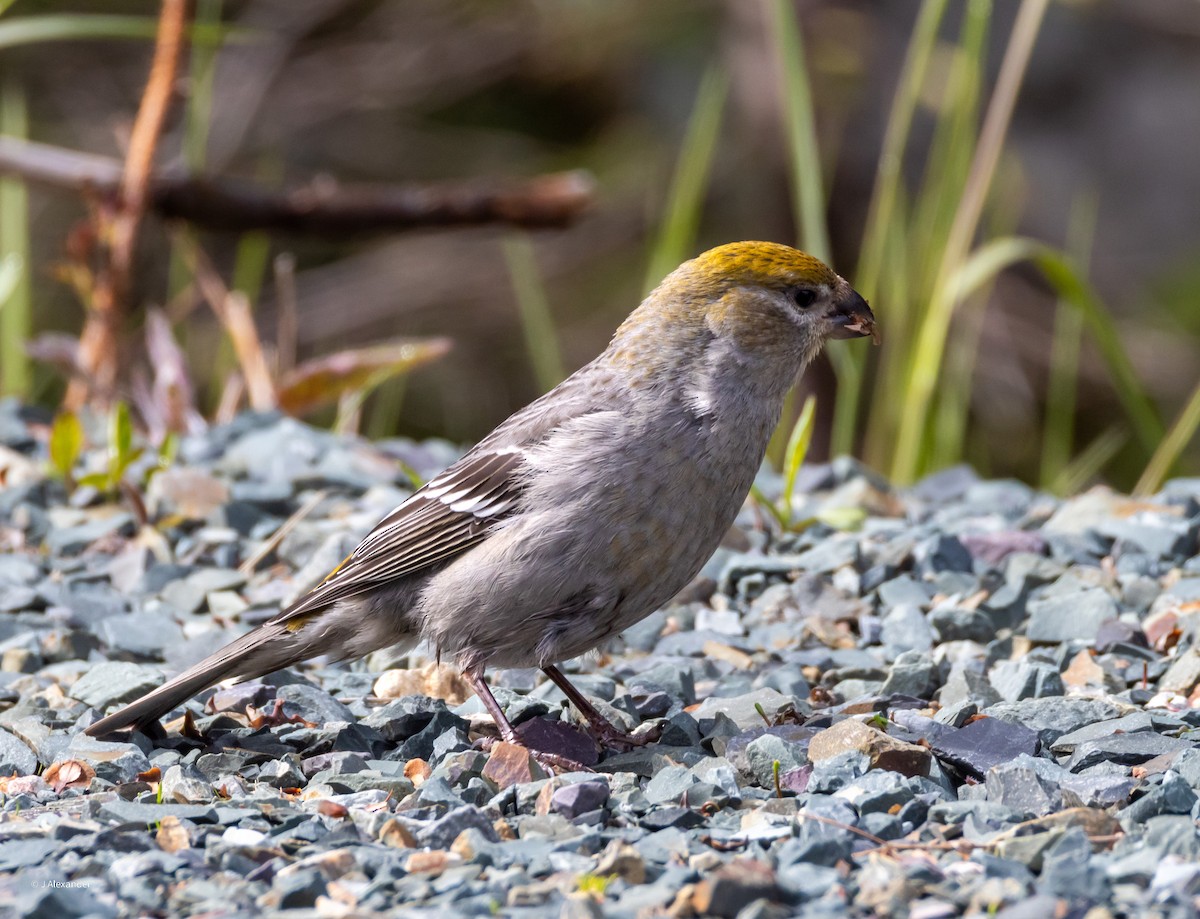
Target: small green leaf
[
  {"x": 594, "y": 884},
  {"x": 797, "y": 449},
  {"x": 167, "y": 451},
  {"x": 120, "y": 443},
  {"x": 842, "y": 518},
  {"x": 66, "y": 443},
  {"x": 97, "y": 480}
]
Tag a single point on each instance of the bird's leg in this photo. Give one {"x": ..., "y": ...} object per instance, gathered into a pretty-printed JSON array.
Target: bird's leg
[
  {"x": 606, "y": 733},
  {"x": 551, "y": 761}
]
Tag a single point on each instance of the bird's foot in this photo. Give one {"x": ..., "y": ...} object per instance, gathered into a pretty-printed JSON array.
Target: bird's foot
[
  {"x": 551, "y": 762},
  {"x": 611, "y": 737},
  {"x": 259, "y": 718}
]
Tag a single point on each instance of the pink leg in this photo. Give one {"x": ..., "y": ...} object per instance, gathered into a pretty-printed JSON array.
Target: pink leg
[
  {"x": 508, "y": 733},
  {"x": 606, "y": 733}
]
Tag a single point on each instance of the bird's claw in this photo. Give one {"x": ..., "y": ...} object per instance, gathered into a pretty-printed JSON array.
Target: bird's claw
[
  {"x": 551, "y": 762},
  {"x": 611, "y": 737}
]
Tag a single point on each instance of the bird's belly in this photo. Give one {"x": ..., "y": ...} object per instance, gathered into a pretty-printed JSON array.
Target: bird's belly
[{"x": 555, "y": 583}]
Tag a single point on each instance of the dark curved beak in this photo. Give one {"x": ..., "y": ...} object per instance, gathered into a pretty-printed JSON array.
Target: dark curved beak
[{"x": 853, "y": 318}]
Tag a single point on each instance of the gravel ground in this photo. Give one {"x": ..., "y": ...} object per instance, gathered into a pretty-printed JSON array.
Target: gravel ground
[{"x": 981, "y": 701}]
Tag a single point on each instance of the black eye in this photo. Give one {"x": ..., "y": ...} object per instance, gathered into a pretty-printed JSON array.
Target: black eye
[{"x": 804, "y": 297}]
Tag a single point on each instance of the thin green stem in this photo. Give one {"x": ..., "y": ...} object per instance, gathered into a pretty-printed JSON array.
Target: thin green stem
[
  {"x": 808, "y": 194},
  {"x": 895, "y": 140},
  {"x": 930, "y": 347},
  {"x": 1058, "y": 430},
  {"x": 16, "y": 309},
  {"x": 1171, "y": 446},
  {"x": 685, "y": 199},
  {"x": 537, "y": 320}
]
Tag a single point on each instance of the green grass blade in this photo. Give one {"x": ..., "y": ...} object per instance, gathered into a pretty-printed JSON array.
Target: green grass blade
[
  {"x": 28, "y": 30},
  {"x": 1058, "y": 430},
  {"x": 1062, "y": 275},
  {"x": 808, "y": 203},
  {"x": 808, "y": 193},
  {"x": 202, "y": 70},
  {"x": 16, "y": 304},
  {"x": 537, "y": 320},
  {"x": 196, "y": 123},
  {"x": 888, "y": 175},
  {"x": 1087, "y": 465},
  {"x": 992, "y": 134},
  {"x": 1171, "y": 446},
  {"x": 797, "y": 450},
  {"x": 951, "y": 151},
  {"x": 66, "y": 444},
  {"x": 685, "y": 198},
  {"x": 931, "y": 344}
]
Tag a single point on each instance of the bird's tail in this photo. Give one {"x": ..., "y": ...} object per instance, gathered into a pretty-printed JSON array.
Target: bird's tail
[{"x": 272, "y": 646}]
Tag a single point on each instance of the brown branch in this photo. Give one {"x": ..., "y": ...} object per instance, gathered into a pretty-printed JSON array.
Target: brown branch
[
  {"x": 322, "y": 207},
  {"x": 99, "y": 342},
  {"x": 143, "y": 140}
]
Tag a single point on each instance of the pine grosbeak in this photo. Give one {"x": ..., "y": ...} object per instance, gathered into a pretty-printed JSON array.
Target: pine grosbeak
[{"x": 587, "y": 509}]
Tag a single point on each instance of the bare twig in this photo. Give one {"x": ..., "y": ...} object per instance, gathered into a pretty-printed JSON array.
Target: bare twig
[
  {"x": 250, "y": 565},
  {"x": 233, "y": 311},
  {"x": 99, "y": 342},
  {"x": 323, "y": 207}
]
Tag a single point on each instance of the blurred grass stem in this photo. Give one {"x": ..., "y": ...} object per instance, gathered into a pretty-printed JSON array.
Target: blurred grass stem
[
  {"x": 16, "y": 299},
  {"x": 685, "y": 198},
  {"x": 537, "y": 321},
  {"x": 928, "y": 355}
]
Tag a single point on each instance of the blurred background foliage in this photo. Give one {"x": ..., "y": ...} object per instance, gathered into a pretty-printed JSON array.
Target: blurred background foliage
[{"x": 1013, "y": 185}]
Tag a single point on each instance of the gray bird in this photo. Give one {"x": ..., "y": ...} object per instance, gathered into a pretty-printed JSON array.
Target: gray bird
[{"x": 586, "y": 510}]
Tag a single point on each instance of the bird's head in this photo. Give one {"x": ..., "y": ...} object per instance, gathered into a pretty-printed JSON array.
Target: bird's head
[{"x": 767, "y": 306}]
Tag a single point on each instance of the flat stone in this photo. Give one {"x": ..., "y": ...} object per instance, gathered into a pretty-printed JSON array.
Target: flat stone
[
  {"x": 115, "y": 762},
  {"x": 1127, "y": 749},
  {"x": 559, "y": 738},
  {"x": 113, "y": 682},
  {"x": 441, "y": 833},
  {"x": 144, "y": 634},
  {"x": 579, "y": 798},
  {"x": 884, "y": 752},
  {"x": 733, "y": 887},
  {"x": 1026, "y": 784},
  {"x": 510, "y": 764},
  {"x": 994, "y": 548},
  {"x": 187, "y": 492},
  {"x": 742, "y": 709},
  {"x": 1053, "y": 717},
  {"x": 1025, "y": 679},
  {"x": 312, "y": 704},
  {"x": 1075, "y": 616},
  {"x": 74, "y": 539},
  {"x": 952, "y": 624},
  {"x": 1183, "y": 674},
  {"x": 15, "y": 757},
  {"x": 764, "y": 751},
  {"x": 905, "y": 628},
  {"x": 965, "y": 684},
  {"x": 984, "y": 744},
  {"x": 912, "y": 674},
  {"x": 134, "y": 812}
]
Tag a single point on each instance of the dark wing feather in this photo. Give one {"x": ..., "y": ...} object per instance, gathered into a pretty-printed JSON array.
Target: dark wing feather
[
  {"x": 450, "y": 513},
  {"x": 457, "y": 509}
]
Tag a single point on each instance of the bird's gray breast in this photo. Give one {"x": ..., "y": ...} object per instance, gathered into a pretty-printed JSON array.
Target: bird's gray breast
[{"x": 619, "y": 510}]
